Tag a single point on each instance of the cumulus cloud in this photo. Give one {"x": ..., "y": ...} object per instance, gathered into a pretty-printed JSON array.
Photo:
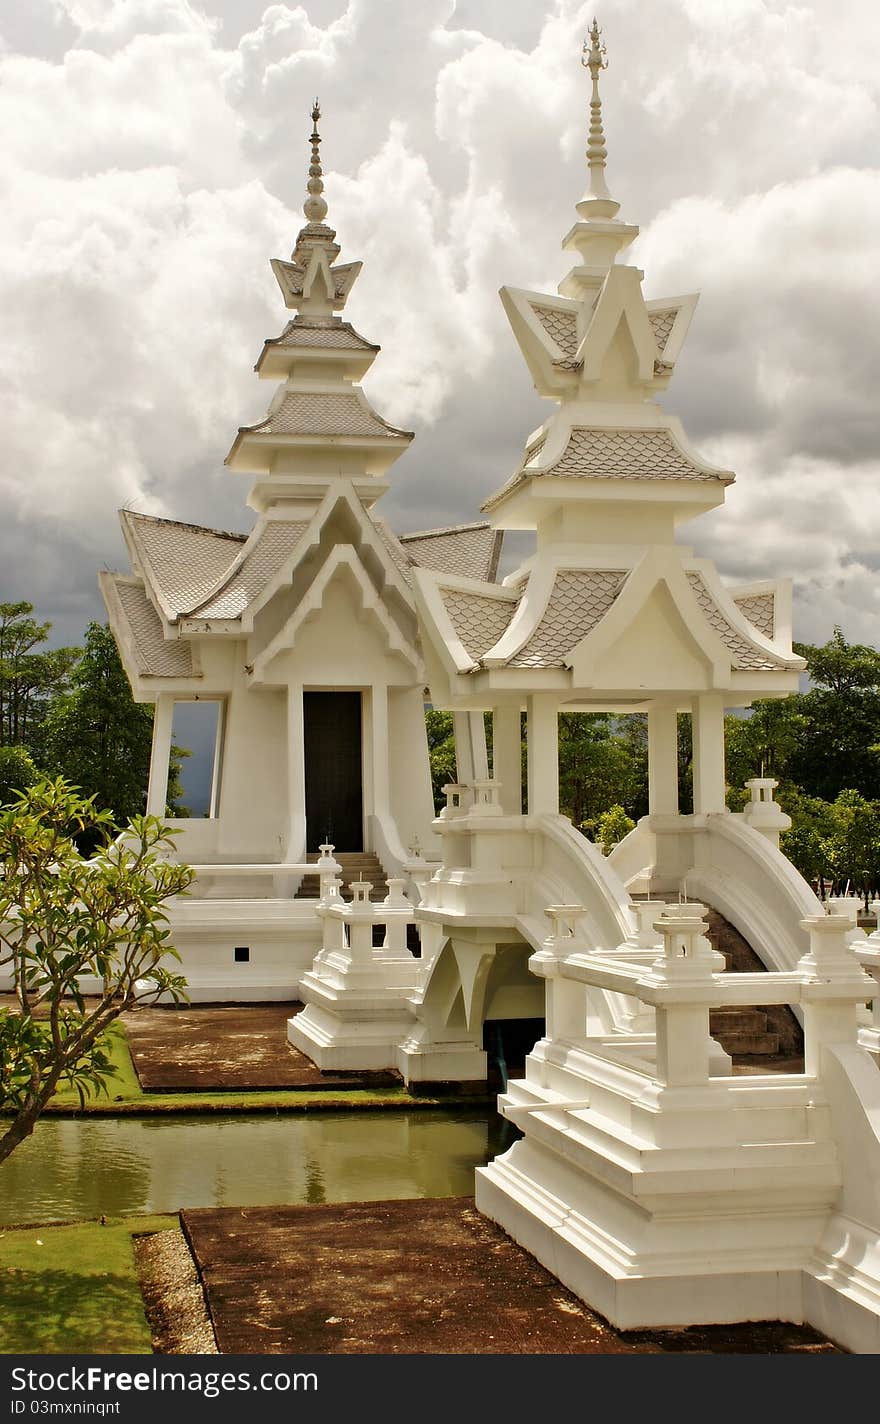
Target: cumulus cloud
[{"x": 154, "y": 159}]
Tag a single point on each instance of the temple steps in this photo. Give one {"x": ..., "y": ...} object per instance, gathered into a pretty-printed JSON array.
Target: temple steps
[
  {"x": 356, "y": 865},
  {"x": 770, "y": 1033}
]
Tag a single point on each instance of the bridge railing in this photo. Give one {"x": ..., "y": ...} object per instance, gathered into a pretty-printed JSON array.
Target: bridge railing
[{"x": 686, "y": 981}]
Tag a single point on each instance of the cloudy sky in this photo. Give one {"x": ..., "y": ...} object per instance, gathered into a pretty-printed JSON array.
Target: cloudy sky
[{"x": 154, "y": 159}]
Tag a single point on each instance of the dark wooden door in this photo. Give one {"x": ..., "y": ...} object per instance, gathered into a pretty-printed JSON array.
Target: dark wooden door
[{"x": 334, "y": 800}]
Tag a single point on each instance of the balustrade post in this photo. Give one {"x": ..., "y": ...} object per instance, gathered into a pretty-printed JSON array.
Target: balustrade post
[
  {"x": 762, "y": 813},
  {"x": 486, "y": 798},
  {"x": 456, "y": 793},
  {"x": 360, "y": 917},
  {"x": 398, "y": 913},
  {"x": 565, "y": 999},
  {"x": 683, "y": 1028},
  {"x": 833, "y": 985},
  {"x": 328, "y": 869}
]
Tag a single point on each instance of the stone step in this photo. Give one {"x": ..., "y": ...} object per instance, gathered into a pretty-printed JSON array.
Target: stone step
[
  {"x": 738, "y": 1020},
  {"x": 356, "y": 865},
  {"x": 756, "y": 1045}
]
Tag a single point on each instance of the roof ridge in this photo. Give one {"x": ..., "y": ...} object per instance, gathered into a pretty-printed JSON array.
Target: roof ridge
[
  {"x": 446, "y": 529},
  {"x": 186, "y": 524}
]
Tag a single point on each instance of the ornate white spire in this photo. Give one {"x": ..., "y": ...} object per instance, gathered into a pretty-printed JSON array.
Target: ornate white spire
[
  {"x": 315, "y": 205},
  {"x": 593, "y": 59}
]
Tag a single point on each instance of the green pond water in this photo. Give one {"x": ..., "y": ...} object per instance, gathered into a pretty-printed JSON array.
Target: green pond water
[{"x": 78, "y": 1168}]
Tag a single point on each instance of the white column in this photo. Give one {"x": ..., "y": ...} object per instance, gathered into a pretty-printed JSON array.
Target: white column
[
  {"x": 708, "y": 733},
  {"x": 380, "y": 751},
  {"x": 543, "y": 749},
  {"x": 471, "y": 756},
  {"x": 663, "y": 759},
  {"x": 507, "y": 757},
  {"x": 296, "y": 774},
  {"x": 163, "y": 719}
]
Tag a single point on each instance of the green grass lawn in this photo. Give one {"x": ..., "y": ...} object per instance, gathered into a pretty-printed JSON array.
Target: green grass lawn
[
  {"x": 125, "y": 1094},
  {"x": 74, "y": 1289}
]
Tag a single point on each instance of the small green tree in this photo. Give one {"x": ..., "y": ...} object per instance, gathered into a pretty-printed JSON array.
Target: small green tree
[
  {"x": 17, "y": 771},
  {"x": 612, "y": 826},
  {"x": 63, "y": 917},
  {"x": 29, "y": 675},
  {"x": 855, "y": 844},
  {"x": 441, "y": 752},
  {"x": 97, "y": 736}
]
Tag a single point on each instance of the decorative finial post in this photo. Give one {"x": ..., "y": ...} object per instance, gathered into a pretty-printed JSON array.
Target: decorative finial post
[
  {"x": 315, "y": 206},
  {"x": 593, "y": 58}
]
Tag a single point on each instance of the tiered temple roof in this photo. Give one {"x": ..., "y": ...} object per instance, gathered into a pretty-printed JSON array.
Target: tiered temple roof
[{"x": 604, "y": 482}]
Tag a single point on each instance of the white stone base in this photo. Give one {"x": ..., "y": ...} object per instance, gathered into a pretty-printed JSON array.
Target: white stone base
[
  {"x": 281, "y": 936},
  {"x": 332, "y": 1043},
  {"x": 419, "y": 1062},
  {"x": 587, "y": 1258}
]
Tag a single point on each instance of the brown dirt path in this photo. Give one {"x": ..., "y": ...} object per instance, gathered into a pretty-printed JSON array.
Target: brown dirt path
[
  {"x": 414, "y": 1277},
  {"x": 225, "y": 1048}
]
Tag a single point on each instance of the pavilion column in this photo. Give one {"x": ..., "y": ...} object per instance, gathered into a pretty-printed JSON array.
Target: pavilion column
[
  {"x": 708, "y": 735},
  {"x": 471, "y": 756},
  {"x": 380, "y": 750},
  {"x": 543, "y": 747},
  {"x": 296, "y": 774},
  {"x": 663, "y": 759},
  {"x": 163, "y": 720},
  {"x": 507, "y": 757}
]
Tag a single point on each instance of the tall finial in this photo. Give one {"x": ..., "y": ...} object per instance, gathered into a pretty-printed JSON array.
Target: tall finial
[
  {"x": 315, "y": 206},
  {"x": 593, "y": 58}
]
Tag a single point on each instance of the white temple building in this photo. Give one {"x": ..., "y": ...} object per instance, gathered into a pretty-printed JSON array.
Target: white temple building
[
  {"x": 304, "y": 633},
  {"x": 661, "y": 1187}
]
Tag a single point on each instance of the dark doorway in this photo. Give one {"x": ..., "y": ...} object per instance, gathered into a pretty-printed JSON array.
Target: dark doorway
[{"x": 334, "y": 803}]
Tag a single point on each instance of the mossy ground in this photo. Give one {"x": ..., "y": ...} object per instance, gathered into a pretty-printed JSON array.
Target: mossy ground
[{"x": 125, "y": 1095}]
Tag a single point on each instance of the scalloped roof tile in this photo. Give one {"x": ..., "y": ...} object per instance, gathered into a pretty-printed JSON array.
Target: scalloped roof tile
[
  {"x": 260, "y": 563},
  {"x": 470, "y": 550},
  {"x": 742, "y": 653},
  {"x": 336, "y": 335},
  {"x": 183, "y": 562},
  {"x": 560, "y": 325},
  {"x": 760, "y": 609},
  {"x": 478, "y": 619},
  {"x": 155, "y": 655},
  {"x": 601, "y": 454},
  {"x": 578, "y": 600},
  {"x": 662, "y": 323},
  {"x": 320, "y": 413}
]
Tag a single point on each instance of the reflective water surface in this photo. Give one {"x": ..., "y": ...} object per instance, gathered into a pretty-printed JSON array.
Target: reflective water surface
[{"x": 79, "y": 1168}]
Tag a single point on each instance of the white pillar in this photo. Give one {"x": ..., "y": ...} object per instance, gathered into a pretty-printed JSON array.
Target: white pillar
[
  {"x": 708, "y": 733},
  {"x": 543, "y": 747},
  {"x": 507, "y": 757},
  {"x": 296, "y": 774},
  {"x": 471, "y": 756},
  {"x": 163, "y": 719},
  {"x": 380, "y": 751},
  {"x": 663, "y": 759}
]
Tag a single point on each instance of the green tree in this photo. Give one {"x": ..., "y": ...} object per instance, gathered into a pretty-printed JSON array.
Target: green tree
[
  {"x": 63, "y": 917},
  {"x": 597, "y": 768},
  {"x": 836, "y": 750},
  {"x": 99, "y": 738},
  {"x": 17, "y": 772},
  {"x": 612, "y": 826},
  {"x": 29, "y": 677},
  {"x": 855, "y": 844},
  {"x": 763, "y": 741},
  {"x": 441, "y": 753},
  {"x": 809, "y": 844}
]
